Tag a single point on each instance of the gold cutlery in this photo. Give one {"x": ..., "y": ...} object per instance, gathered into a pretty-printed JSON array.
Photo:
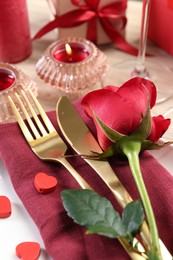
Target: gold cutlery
[
  {"x": 47, "y": 145},
  {"x": 83, "y": 142}
]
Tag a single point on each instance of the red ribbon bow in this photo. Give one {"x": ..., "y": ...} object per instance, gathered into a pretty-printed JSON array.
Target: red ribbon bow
[{"x": 90, "y": 13}]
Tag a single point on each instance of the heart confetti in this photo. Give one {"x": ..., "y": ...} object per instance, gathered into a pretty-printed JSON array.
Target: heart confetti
[
  {"x": 44, "y": 183},
  {"x": 5, "y": 207},
  {"x": 28, "y": 250}
]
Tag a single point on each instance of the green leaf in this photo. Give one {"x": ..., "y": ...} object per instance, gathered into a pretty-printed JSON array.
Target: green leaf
[
  {"x": 97, "y": 214},
  {"x": 113, "y": 150},
  {"x": 133, "y": 216},
  {"x": 109, "y": 132},
  {"x": 104, "y": 231},
  {"x": 94, "y": 212},
  {"x": 149, "y": 145},
  {"x": 144, "y": 127}
]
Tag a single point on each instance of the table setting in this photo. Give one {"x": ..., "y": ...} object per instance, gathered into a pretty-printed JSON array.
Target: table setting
[{"x": 77, "y": 145}]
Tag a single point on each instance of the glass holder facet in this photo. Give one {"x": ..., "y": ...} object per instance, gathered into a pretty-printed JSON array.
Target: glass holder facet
[
  {"x": 12, "y": 80},
  {"x": 73, "y": 79}
]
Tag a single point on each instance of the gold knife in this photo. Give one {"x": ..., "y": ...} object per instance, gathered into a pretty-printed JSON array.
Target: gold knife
[{"x": 83, "y": 142}]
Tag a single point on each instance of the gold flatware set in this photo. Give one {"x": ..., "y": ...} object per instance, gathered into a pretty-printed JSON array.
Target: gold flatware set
[{"x": 46, "y": 143}]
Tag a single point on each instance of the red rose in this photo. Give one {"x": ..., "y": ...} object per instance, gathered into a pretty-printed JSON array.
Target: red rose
[{"x": 123, "y": 108}]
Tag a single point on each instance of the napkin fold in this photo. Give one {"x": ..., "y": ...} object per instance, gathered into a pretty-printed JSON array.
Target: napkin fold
[{"x": 62, "y": 237}]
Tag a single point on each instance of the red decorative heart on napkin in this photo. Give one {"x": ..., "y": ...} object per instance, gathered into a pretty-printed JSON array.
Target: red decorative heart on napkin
[
  {"x": 28, "y": 250},
  {"x": 44, "y": 183},
  {"x": 5, "y": 207}
]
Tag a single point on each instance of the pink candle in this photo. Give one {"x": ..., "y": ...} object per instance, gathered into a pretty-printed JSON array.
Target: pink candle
[
  {"x": 15, "y": 43},
  {"x": 78, "y": 52},
  {"x": 7, "y": 79}
]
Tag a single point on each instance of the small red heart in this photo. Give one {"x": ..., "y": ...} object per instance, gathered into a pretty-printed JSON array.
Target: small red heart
[
  {"x": 5, "y": 207},
  {"x": 44, "y": 183},
  {"x": 28, "y": 250}
]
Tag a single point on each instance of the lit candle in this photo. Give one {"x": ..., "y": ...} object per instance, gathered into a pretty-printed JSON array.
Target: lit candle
[
  {"x": 7, "y": 79},
  {"x": 73, "y": 66},
  {"x": 71, "y": 53}
]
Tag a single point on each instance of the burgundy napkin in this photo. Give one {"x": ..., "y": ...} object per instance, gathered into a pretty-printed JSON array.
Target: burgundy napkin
[{"x": 64, "y": 239}]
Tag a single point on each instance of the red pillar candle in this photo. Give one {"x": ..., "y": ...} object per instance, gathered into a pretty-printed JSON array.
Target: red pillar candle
[
  {"x": 7, "y": 79},
  {"x": 15, "y": 42}
]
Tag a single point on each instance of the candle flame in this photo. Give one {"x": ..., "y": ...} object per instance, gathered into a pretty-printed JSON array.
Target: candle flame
[{"x": 68, "y": 49}]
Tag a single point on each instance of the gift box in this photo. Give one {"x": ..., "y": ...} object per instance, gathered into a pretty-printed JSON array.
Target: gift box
[
  {"x": 115, "y": 16},
  {"x": 160, "y": 24},
  {"x": 100, "y": 21}
]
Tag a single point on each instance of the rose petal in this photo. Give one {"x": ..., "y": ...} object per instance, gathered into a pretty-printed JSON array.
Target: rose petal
[
  {"x": 159, "y": 127},
  {"x": 122, "y": 108},
  {"x": 135, "y": 88},
  {"x": 115, "y": 111}
]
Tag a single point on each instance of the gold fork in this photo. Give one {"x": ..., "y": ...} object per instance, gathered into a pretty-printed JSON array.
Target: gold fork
[{"x": 46, "y": 143}]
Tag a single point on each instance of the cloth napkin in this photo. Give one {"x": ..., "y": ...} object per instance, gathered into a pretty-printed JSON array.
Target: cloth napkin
[{"x": 62, "y": 237}]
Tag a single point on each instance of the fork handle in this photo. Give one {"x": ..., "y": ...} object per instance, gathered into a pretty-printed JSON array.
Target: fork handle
[
  {"x": 84, "y": 185},
  {"x": 74, "y": 173}
]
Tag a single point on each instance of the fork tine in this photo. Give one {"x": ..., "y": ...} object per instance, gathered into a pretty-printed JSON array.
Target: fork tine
[
  {"x": 32, "y": 126},
  {"x": 20, "y": 121},
  {"x": 42, "y": 113},
  {"x": 39, "y": 124}
]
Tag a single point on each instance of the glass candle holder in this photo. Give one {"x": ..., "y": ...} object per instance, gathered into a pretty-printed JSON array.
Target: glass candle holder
[
  {"x": 73, "y": 73},
  {"x": 12, "y": 80}
]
